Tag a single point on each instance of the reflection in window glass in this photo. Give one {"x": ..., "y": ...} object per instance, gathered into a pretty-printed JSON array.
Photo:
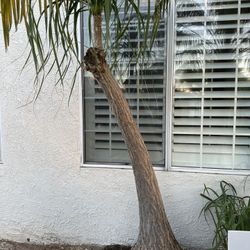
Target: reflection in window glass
[
  {"x": 144, "y": 88},
  {"x": 211, "y": 127}
]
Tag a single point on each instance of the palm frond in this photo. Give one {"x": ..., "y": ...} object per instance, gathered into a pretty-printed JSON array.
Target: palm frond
[
  {"x": 12, "y": 11},
  {"x": 52, "y": 29}
]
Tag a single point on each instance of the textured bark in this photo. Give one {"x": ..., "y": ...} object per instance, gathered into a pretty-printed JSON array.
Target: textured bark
[
  {"x": 98, "y": 31},
  {"x": 154, "y": 231}
]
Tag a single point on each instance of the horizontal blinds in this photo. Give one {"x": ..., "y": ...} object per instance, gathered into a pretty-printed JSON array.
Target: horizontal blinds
[
  {"x": 211, "y": 100},
  {"x": 143, "y": 86}
]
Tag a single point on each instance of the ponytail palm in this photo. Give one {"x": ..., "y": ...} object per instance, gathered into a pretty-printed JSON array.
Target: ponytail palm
[{"x": 60, "y": 50}]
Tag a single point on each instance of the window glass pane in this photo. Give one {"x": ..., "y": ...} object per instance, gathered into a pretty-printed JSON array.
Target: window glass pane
[
  {"x": 144, "y": 88},
  {"x": 211, "y": 84}
]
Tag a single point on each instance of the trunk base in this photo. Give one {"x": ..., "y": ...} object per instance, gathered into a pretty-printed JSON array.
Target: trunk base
[
  {"x": 145, "y": 247},
  {"x": 165, "y": 242}
]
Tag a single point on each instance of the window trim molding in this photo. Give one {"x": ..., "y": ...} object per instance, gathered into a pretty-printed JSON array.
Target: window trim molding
[
  {"x": 114, "y": 166},
  {"x": 81, "y": 82},
  {"x": 169, "y": 81},
  {"x": 170, "y": 169},
  {"x": 210, "y": 171}
]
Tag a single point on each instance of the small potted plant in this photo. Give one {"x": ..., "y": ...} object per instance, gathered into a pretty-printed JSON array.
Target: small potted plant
[{"x": 228, "y": 212}]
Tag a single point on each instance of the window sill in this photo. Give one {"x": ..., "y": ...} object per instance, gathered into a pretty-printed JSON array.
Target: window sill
[
  {"x": 170, "y": 169},
  {"x": 114, "y": 166},
  {"x": 210, "y": 171}
]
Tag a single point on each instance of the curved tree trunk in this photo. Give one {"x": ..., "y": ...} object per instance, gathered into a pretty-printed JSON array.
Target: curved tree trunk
[{"x": 154, "y": 231}]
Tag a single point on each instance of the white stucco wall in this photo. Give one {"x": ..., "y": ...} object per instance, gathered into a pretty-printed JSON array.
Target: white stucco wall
[{"x": 46, "y": 197}]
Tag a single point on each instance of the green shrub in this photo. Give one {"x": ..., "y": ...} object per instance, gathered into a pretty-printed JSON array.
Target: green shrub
[{"x": 227, "y": 210}]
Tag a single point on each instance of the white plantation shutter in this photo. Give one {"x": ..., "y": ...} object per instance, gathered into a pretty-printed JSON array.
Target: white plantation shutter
[
  {"x": 211, "y": 106},
  {"x": 144, "y": 89}
]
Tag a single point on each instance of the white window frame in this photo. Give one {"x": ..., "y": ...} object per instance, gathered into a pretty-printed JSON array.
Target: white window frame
[{"x": 169, "y": 82}]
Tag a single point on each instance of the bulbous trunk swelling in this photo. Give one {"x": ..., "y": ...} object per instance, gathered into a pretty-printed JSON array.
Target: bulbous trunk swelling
[{"x": 154, "y": 232}]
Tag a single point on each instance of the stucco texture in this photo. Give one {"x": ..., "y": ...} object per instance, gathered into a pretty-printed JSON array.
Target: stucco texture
[{"x": 46, "y": 196}]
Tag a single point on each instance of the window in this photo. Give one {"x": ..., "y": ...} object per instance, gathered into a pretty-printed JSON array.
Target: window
[
  {"x": 211, "y": 100},
  {"x": 192, "y": 101},
  {"x": 144, "y": 87}
]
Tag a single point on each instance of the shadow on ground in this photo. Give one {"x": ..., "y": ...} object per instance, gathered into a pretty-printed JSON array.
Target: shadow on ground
[{"x": 9, "y": 245}]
